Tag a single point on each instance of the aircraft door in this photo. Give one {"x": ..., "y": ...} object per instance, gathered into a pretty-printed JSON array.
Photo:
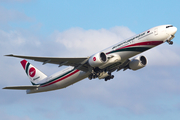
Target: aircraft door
[{"x": 156, "y": 31}]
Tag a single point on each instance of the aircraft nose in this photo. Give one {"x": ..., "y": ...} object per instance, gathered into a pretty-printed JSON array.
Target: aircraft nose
[{"x": 173, "y": 30}]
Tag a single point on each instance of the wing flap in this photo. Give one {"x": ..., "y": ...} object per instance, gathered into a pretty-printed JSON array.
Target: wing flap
[{"x": 22, "y": 87}]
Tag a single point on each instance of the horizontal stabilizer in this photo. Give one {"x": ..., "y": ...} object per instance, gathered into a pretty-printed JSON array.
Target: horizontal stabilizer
[{"x": 22, "y": 87}]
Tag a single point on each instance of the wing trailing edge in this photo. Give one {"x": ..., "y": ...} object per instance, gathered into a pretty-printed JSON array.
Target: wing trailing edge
[{"x": 75, "y": 62}]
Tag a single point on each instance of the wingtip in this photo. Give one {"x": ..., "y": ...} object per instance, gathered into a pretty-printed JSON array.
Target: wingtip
[{"x": 9, "y": 55}]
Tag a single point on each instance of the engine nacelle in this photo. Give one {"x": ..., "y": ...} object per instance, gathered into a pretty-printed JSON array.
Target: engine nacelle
[
  {"x": 138, "y": 63},
  {"x": 98, "y": 59}
]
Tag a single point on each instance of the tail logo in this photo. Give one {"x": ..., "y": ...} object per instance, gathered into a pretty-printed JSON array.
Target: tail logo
[{"x": 32, "y": 72}]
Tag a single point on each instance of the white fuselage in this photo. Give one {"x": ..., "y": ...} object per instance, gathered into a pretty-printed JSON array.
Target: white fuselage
[{"x": 123, "y": 51}]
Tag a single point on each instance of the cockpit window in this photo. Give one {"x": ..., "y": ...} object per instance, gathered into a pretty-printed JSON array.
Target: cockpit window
[{"x": 169, "y": 26}]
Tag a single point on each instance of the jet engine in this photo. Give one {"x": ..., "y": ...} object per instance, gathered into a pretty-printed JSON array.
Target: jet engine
[
  {"x": 138, "y": 63},
  {"x": 98, "y": 59}
]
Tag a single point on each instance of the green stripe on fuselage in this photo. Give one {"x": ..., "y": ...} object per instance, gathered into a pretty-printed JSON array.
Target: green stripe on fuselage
[
  {"x": 58, "y": 77},
  {"x": 135, "y": 49}
]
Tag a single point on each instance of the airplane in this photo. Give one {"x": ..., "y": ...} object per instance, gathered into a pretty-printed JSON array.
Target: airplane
[{"x": 99, "y": 65}]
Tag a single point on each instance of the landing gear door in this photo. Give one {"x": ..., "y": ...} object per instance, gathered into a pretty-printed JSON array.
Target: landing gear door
[{"x": 156, "y": 31}]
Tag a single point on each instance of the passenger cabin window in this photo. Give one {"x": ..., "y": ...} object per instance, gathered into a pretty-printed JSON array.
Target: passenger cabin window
[{"x": 169, "y": 26}]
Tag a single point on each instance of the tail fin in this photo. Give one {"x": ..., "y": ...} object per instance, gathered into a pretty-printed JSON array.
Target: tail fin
[{"x": 33, "y": 73}]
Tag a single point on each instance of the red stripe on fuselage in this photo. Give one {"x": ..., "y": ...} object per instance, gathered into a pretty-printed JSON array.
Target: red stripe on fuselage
[
  {"x": 23, "y": 63},
  {"x": 61, "y": 78},
  {"x": 143, "y": 43}
]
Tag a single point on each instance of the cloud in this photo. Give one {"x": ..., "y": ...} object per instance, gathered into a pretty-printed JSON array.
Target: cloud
[
  {"x": 11, "y": 38},
  {"x": 134, "y": 91},
  {"x": 88, "y": 42},
  {"x": 163, "y": 55},
  {"x": 6, "y": 116},
  {"x": 9, "y": 15},
  {"x": 18, "y": 42}
]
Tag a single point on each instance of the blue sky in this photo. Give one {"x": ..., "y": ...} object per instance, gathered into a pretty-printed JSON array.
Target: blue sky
[
  {"x": 77, "y": 28},
  {"x": 56, "y": 15}
]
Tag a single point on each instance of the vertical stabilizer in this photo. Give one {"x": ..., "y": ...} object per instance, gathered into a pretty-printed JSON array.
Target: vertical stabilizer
[{"x": 33, "y": 73}]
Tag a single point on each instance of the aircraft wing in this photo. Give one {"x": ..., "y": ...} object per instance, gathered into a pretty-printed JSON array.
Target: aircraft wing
[
  {"x": 22, "y": 87},
  {"x": 76, "y": 62}
]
